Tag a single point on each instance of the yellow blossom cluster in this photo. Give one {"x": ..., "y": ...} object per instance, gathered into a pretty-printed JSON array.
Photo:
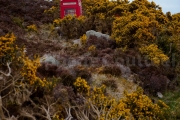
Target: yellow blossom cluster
[
  {"x": 19, "y": 61},
  {"x": 57, "y": 22},
  {"x": 139, "y": 25},
  {"x": 141, "y": 106},
  {"x": 133, "y": 106},
  {"x": 83, "y": 39},
  {"x": 50, "y": 10},
  {"x": 111, "y": 109},
  {"x": 102, "y": 12},
  {"x": 72, "y": 26},
  {"x": 173, "y": 29},
  {"x": 81, "y": 18},
  {"x": 92, "y": 48},
  {"x": 154, "y": 54},
  {"x": 133, "y": 29},
  {"x": 101, "y": 16},
  {"x": 6, "y": 45},
  {"x": 68, "y": 18},
  {"x": 81, "y": 85},
  {"x": 32, "y": 28},
  {"x": 29, "y": 69}
]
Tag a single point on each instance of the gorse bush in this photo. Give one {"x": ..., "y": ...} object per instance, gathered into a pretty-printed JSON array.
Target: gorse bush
[
  {"x": 81, "y": 85},
  {"x": 108, "y": 107},
  {"x": 84, "y": 92},
  {"x": 134, "y": 105},
  {"x": 71, "y": 26},
  {"x": 103, "y": 12},
  {"x": 142, "y": 107},
  {"x": 154, "y": 54},
  {"x": 21, "y": 81},
  {"x": 7, "y": 47},
  {"x": 137, "y": 27},
  {"x": 53, "y": 11},
  {"x": 12, "y": 53},
  {"x": 29, "y": 70}
]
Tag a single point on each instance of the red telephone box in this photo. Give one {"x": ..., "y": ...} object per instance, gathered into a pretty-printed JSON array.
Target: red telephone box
[{"x": 70, "y": 7}]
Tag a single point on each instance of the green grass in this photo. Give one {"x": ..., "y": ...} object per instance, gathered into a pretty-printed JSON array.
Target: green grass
[{"x": 172, "y": 99}]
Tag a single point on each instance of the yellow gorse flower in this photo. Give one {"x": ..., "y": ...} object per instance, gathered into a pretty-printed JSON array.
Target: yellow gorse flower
[
  {"x": 32, "y": 28},
  {"x": 28, "y": 71},
  {"x": 57, "y": 22},
  {"x": 83, "y": 39},
  {"x": 6, "y": 45},
  {"x": 50, "y": 10},
  {"x": 81, "y": 85},
  {"x": 154, "y": 54},
  {"x": 92, "y": 48}
]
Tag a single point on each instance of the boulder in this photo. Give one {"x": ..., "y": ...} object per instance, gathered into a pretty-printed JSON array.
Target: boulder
[
  {"x": 49, "y": 59},
  {"x": 97, "y": 34}
]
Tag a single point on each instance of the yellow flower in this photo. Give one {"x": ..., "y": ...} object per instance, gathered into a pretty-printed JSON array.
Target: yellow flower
[
  {"x": 83, "y": 39},
  {"x": 32, "y": 28}
]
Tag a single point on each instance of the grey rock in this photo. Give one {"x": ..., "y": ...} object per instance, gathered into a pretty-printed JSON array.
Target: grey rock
[
  {"x": 97, "y": 34},
  {"x": 49, "y": 59},
  {"x": 160, "y": 95}
]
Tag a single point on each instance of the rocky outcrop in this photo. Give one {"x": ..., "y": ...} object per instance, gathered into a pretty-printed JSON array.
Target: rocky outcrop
[{"x": 97, "y": 34}]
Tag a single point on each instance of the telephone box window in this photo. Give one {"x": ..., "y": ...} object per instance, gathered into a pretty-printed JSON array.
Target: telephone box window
[{"x": 70, "y": 12}]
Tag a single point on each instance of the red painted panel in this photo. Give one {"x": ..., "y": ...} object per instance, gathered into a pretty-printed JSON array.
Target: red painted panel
[{"x": 72, "y": 7}]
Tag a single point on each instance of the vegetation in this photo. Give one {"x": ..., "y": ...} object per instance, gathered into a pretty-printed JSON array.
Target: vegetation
[{"x": 52, "y": 66}]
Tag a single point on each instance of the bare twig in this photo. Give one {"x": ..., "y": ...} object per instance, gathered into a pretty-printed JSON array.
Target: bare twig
[
  {"x": 69, "y": 116},
  {"x": 9, "y": 73},
  {"x": 26, "y": 114},
  {"x": 1, "y": 110},
  {"x": 6, "y": 111},
  {"x": 47, "y": 108}
]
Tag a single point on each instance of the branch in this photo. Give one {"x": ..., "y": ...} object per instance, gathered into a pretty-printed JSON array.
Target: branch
[
  {"x": 26, "y": 114},
  {"x": 9, "y": 73},
  {"x": 68, "y": 113},
  {"x": 1, "y": 110}
]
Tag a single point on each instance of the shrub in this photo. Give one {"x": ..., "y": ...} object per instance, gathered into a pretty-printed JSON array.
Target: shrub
[
  {"x": 53, "y": 11},
  {"x": 81, "y": 85},
  {"x": 50, "y": 10},
  {"x": 29, "y": 70},
  {"x": 107, "y": 107},
  {"x": 154, "y": 54},
  {"x": 47, "y": 70},
  {"x": 135, "y": 27},
  {"x": 67, "y": 78},
  {"x": 57, "y": 22},
  {"x": 98, "y": 105},
  {"x": 100, "y": 43},
  {"x": 71, "y": 26},
  {"x": 110, "y": 83},
  {"x": 142, "y": 107},
  {"x": 21, "y": 80},
  {"x": 63, "y": 93},
  {"x": 18, "y": 21},
  {"x": 82, "y": 72},
  {"x": 7, "y": 47},
  {"x": 101, "y": 13},
  {"x": 112, "y": 70}
]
